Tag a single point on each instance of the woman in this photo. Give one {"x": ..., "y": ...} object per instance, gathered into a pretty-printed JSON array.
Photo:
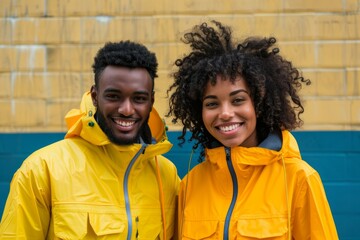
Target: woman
[{"x": 239, "y": 101}]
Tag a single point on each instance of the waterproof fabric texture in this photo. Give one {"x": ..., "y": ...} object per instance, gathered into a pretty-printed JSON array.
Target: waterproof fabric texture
[
  {"x": 275, "y": 191},
  {"x": 85, "y": 187}
]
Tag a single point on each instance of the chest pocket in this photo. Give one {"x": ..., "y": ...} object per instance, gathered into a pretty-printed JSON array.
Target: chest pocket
[
  {"x": 84, "y": 225},
  {"x": 262, "y": 228},
  {"x": 200, "y": 230}
]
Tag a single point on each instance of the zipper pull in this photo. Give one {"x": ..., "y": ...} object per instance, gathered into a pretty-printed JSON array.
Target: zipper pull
[
  {"x": 227, "y": 153},
  {"x": 137, "y": 227}
]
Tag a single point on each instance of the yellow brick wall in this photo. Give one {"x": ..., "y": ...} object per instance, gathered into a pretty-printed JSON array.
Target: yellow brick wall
[{"x": 47, "y": 48}]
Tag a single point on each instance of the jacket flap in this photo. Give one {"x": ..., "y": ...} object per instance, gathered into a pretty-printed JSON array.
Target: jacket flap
[
  {"x": 199, "y": 229},
  {"x": 70, "y": 225},
  {"x": 262, "y": 227},
  {"x": 106, "y": 223}
]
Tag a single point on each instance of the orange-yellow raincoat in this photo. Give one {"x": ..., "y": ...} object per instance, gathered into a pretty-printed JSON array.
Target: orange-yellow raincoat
[
  {"x": 85, "y": 187},
  {"x": 255, "y": 193}
]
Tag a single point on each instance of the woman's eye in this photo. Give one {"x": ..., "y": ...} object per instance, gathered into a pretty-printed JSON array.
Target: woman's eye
[
  {"x": 238, "y": 100},
  {"x": 210, "y": 104}
]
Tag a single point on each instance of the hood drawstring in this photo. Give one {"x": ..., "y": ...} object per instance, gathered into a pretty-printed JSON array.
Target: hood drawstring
[
  {"x": 287, "y": 199},
  {"x": 186, "y": 185},
  {"x": 162, "y": 198}
]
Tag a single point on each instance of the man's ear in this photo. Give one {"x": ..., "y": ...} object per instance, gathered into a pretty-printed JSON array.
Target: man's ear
[
  {"x": 94, "y": 95},
  {"x": 152, "y": 99}
]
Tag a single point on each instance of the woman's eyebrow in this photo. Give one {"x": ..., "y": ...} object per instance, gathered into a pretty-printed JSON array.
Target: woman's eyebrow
[{"x": 238, "y": 91}]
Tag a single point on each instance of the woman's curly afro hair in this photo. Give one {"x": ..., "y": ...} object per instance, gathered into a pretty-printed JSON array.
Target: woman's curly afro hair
[
  {"x": 273, "y": 81},
  {"x": 124, "y": 54}
]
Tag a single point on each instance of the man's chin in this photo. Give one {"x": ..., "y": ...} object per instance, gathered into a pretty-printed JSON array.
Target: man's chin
[{"x": 123, "y": 140}]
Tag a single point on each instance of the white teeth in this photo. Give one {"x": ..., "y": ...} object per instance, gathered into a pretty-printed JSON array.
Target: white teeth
[
  {"x": 124, "y": 124},
  {"x": 229, "y": 128}
]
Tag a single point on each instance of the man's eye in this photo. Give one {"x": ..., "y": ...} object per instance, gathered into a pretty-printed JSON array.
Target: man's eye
[
  {"x": 112, "y": 96},
  {"x": 140, "y": 99}
]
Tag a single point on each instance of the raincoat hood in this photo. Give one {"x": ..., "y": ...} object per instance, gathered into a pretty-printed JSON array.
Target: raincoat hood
[
  {"x": 272, "y": 149},
  {"x": 81, "y": 122}
]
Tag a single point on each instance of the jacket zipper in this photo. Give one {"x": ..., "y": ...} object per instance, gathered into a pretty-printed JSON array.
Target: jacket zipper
[
  {"x": 235, "y": 193},
  {"x": 126, "y": 190}
]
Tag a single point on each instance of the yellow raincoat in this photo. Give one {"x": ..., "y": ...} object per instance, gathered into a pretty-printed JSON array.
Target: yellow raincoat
[
  {"x": 85, "y": 187},
  {"x": 255, "y": 193}
]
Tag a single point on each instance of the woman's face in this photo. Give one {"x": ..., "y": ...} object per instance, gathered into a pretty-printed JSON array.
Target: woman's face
[{"x": 228, "y": 113}]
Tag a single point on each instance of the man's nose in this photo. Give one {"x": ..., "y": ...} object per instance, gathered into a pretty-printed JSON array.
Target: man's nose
[{"x": 126, "y": 108}]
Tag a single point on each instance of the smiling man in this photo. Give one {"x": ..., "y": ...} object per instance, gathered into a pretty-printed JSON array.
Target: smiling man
[{"x": 107, "y": 179}]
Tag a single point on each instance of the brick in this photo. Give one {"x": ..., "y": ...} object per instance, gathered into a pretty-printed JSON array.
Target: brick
[
  {"x": 5, "y": 83},
  {"x": 22, "y": 8},
  {"x": 24, "y": 31},
  {"x": 6, "y": 113},
  {"x": 339, "y": 54},
  {"x": 56, "y": 112},
  {"x": 71, "y": 58},
  {"x": 336, "y": 27},
  {"x": 85, "y": 7},
  {"x": 29, "y": 113},
  {"x": 29, "y": 85},
  {"x": 327, "y": 111},
  {"x": 63, "y": 85},
  {"x": 308, "y": 5},
  {"x": 355, "y": 111},
  {"x": 352, "y": 6},
  {"x": 100, "y": 30},
  {"x": 104, "y": 29},
  {"x": 302, "y": 55},
  {"x": 162, "y": 83},
  {"x": 7, "y": 58},
  {"x": 199, "y": 7},
  {"x": 167, "y": 54},
  {"x": 22, "y": 58},
  {"x": 293, "y": 27},
  {"x": 326, "y": 82},
  {"x": 5, "y": 31},
  {"x": 58, "y": 30},
  {"x": 353, "y": 82},
  {"x": 87, "y": 80},
  {"x": 29, "y": 58}
]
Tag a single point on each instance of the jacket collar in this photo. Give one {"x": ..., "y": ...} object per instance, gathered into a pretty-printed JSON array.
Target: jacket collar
[
  {"x": 272, "y": 149},
  {"x": 81, "y": 122}
]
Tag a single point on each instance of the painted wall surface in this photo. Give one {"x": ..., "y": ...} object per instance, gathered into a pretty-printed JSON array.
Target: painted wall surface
[
  {"x": 47, "y": 48},
  {"x": 334, "y": 154}
]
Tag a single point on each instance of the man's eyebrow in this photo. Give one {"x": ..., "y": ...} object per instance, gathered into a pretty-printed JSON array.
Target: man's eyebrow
[{"x": 114, "y": 90}]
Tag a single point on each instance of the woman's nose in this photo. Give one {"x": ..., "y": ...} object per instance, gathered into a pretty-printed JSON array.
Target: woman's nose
[{"x": 226, "y": 112}]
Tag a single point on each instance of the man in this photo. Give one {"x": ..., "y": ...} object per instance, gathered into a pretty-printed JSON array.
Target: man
[{"x": 107, "y": 178}]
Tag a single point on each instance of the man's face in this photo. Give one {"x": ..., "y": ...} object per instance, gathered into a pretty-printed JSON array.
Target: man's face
[{"x": 124, "y": 99}]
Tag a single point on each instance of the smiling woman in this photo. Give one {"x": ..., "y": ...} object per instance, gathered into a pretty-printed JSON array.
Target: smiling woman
[
  {"x": 229, "y": 114},
  {"x": 240, "y": 100}
]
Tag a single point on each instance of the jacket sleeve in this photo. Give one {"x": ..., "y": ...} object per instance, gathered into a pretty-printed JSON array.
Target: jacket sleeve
[
  {"x": 27, "y": 210},
  {"x": 312, "y": 214}
]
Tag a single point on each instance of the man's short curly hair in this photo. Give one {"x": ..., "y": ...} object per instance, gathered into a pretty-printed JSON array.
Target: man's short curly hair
[
  {"x": 272, "y": 80},
  {"x": 124, "y": 54}
]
